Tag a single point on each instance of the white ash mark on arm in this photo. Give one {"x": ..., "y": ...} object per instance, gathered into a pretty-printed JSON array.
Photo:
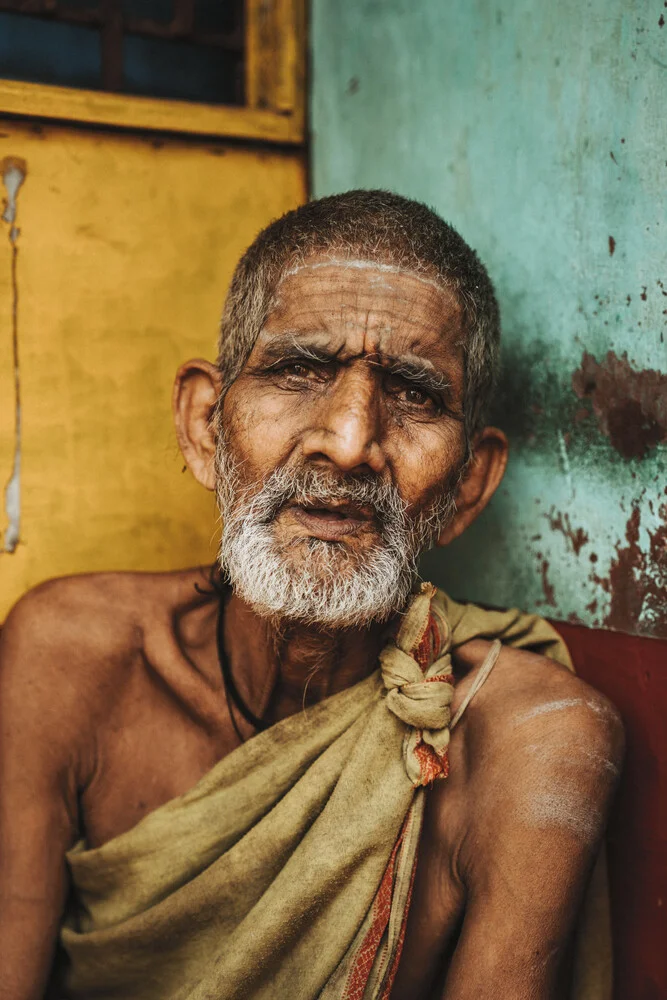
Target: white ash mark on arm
[
  {"x": 562, "y": 789},
  {"x": 599, "y": 706},
  {"x": 574, "y": 755},
  {"x": 602, "y": 708},
  {"x": 567, "y": 809},
  {"x": 547, "y": 707},
  {"x": 569, "y": 764},
  {"x": 600, "y": 761}
]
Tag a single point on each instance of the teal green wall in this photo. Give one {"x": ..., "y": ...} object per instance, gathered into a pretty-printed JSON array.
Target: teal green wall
[{"x": 539, "y": 130}]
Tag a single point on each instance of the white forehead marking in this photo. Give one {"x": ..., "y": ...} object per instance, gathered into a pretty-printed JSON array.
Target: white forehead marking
[{"x": 363, "y": 265}]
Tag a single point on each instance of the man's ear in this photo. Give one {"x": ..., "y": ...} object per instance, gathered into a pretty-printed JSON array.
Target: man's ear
[
  {"x": 480, "y": 481},
  {"x": 195, "y": 393}
]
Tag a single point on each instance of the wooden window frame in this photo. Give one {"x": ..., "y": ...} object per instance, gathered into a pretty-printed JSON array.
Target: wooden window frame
[{"x": 274, "y": 109}]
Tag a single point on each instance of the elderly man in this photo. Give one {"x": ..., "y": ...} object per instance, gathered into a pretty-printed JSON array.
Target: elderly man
[{"x": 214, "y": 783}]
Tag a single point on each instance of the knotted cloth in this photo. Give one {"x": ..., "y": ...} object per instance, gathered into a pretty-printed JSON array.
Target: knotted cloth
[{"x": 287, "y": 870}]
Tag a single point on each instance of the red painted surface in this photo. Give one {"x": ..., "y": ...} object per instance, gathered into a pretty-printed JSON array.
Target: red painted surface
[{"x": 632, "y": 672}]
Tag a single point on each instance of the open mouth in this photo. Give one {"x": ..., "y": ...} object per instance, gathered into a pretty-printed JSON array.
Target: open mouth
[{"x": 332, "y": 521}]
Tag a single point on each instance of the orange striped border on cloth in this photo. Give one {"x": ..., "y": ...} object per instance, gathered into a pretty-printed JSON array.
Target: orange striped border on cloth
[{"x": 377, "y": 952}]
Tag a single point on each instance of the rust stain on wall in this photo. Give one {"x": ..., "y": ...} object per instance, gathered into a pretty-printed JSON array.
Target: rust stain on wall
[
  {"x": 630, "y": 406},
  {"x": 547, "y": 586},
  {"x": 637, "y": 581},
  {"x": 577, "y": 537}
]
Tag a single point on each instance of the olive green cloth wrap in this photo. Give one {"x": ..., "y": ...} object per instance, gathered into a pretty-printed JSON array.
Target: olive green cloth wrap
[{"x": 286, "y": 871}]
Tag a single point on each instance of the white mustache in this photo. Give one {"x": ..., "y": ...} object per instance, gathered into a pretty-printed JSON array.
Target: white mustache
[{"x": 313, "y": 486}]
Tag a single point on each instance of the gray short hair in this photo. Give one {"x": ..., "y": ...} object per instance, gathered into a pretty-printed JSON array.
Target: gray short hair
[{"x": 377, "y": 226}]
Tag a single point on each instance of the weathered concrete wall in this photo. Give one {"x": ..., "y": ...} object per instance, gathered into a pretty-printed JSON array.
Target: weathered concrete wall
[{"x": 540, "y": 131}]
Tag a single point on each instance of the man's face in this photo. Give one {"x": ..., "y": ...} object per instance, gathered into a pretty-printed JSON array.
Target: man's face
[{"x": 342, "y": 439}]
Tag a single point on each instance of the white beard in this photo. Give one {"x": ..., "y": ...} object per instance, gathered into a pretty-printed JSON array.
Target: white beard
[{"x": 309, "y": 580}]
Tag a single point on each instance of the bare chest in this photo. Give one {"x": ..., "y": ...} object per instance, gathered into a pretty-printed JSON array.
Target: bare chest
[{"x": 152, "y": 748}]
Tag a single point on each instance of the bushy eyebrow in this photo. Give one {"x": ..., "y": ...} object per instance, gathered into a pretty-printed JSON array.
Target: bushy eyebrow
[
  {"x": 290, "y": 348},
  {"x": 420, "y": 372},
  {"x": 413, "y": 370}
]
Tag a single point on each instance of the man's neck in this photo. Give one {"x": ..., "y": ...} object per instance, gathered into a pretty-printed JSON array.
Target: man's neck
[{"x": 280, "y": 668}]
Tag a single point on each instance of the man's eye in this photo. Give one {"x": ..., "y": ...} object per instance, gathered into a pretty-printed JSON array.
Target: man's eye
[
  {"x": 411, "y": 395},
  {"x": 296, "y": 369},
  {"x": 408, "y": 393},
  {"x": 416, "y": 396}
]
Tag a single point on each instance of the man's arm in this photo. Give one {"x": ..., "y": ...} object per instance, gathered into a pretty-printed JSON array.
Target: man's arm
[
  {"x": 538, "y": 811},
  {"x": 38, "y": 764}
]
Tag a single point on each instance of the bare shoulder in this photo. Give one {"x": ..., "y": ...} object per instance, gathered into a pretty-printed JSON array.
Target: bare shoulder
[
  {"x": 530, "y": 702},
  {"x": 544, "y": 751},
  {"x": 96, "y": 611},
  {"x": 70, "y": 620},
  {"x": 67, "y": 644},
  {"x": 56, "y": 610}
]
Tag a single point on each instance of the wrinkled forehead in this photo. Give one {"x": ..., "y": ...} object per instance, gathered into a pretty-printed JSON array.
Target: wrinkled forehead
[{"x": 376, "y": 306}]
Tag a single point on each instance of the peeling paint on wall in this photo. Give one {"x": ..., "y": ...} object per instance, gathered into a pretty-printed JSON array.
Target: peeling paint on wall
[
  {"x": 637, "y": 581},
  {"x": 630, "y": 405},
  {"x": 539, "y": 131},
  {"x": 14, "y": 171},
  {"x": 577, "y": 537}
]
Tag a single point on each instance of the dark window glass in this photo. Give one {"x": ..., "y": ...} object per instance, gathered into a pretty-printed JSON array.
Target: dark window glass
[
  {"x": 184, "y": 49},
  {"x": 158, "y": 68},
  {"x": 49, "y": 52}
]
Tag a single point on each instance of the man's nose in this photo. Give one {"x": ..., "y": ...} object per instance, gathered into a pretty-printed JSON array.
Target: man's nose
[{"x": 347, "y": 426}]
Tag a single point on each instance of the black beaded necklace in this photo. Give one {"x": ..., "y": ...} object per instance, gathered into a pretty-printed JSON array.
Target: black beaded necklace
[{"x": 232, "y": 693}]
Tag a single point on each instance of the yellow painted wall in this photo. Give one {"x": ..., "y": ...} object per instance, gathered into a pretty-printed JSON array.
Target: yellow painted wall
[{"x": 124, "y": 251}]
